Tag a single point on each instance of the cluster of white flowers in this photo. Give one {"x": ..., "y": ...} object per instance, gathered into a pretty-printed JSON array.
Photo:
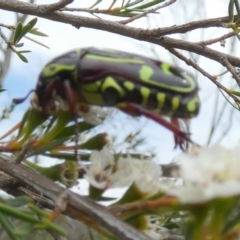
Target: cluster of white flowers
[
  {"x": 207, "y": 173},
  {"x": 108, "y": 172}
]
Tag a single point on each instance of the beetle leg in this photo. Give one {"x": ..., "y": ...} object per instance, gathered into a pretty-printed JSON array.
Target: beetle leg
[
  {"x": 71, "y": 100},
  {"x": 178, "y": 141},
  {"x": 135, "y": 110},
  {"x": 70, "y": 97}
]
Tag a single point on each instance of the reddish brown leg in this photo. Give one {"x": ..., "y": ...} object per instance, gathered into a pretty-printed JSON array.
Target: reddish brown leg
[
  {"x": 72, "y": 107},
  {"x": 179, "y": 135},
  {"x": 178, "y": 141}
]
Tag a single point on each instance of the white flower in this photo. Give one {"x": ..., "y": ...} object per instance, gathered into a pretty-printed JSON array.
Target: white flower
[
  {"x": 146, "y": 175},
  {"x": 207, "y": 173},
  {"x": 106, "y": 172}
]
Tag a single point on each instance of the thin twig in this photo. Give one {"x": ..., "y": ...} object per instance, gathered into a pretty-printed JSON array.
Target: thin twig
[
  {"x": 119, "y": 210},
  {"x": 230, "y": 68},
  {"x": 215, "y": 40},
  {"x": 92, "y": 11}
]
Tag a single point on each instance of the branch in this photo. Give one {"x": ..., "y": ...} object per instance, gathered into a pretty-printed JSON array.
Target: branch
[
  {"x": 75, "y": 203},
  {"x": 114, "y": 27},
  {"x": 42, "y": 11},
  {"x": 56, "y": 6},
  {"x": 215, "y": 40},
  {"x": 231, "y": 69}
]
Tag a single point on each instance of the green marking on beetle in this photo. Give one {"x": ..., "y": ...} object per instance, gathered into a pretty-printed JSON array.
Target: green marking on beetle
[
  {"x": 145, "y": 95},
  {"x": 175, "y": 103},
  {"x": 53, "y": 69},
  {"x": 91, "y": 87},
  {"x": 146, "y": 72},
  {"x": 110, "y": 82},
  {"x": 111, "y": 59},
  {"x": 129, "y": 85},
  {"x": 93, "y": 98},
  {"x": 191, "y": 106},
  {"x": 161, "y": 99},
  {"x": 187, "y": 77},
  {"x": 121, "y": 105},
  {"x": 166, "y": 68}
]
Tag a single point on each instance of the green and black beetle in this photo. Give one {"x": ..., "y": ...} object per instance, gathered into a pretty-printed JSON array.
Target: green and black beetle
[{"x": 133, "y": 83}]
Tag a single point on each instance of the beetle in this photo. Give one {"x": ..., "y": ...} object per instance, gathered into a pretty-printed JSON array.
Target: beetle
[{"x": 133, "y": 83}]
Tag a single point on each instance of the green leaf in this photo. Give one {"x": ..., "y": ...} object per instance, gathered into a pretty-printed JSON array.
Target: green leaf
[
  {"x": 66, "y": 156},
  {"x": 19, "y": 201},
  {"x": 132, "y": 194},
  {"x": 48, "y": 147},
  {"x": 62, "y": 118},
  {"x": 38, "y": 211},
  {"x": 23, "y": 58},
  {"x": 17, "y": 33},
  {"x": 70, "y": 130},
  {"x": 21, "y": 30},
  {"x": 231, "y": 10},
  {"x": 53, "y": 172},
  {"x": 28, "y": 27},
  {"x": 237, "y": 7},
  {"x": 31, "y": 120},
  {"x": 149, "y": 4},
  {"x": 38, "y": 33},
  {"x": 95, "y": 193},
  {"x": 98, "y": 1},
  {"x": 24, "y": 51},
  {"x": 8, "y": 227},
  {"x": 23, "y": 230},
  {"x": 25, "y": 30},
  {"x": 2, "y": 89},
  {"x": 130, "y": 4},
  {"x": 95, "y": 143},
  {"x": 32, "y": 23},
  {"x": 236, "y": 93},
  {"x": 19, "y": 214}
]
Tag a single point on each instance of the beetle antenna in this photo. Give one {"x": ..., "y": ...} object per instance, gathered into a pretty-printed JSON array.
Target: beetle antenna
[{"x": 21, "y": 100}]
